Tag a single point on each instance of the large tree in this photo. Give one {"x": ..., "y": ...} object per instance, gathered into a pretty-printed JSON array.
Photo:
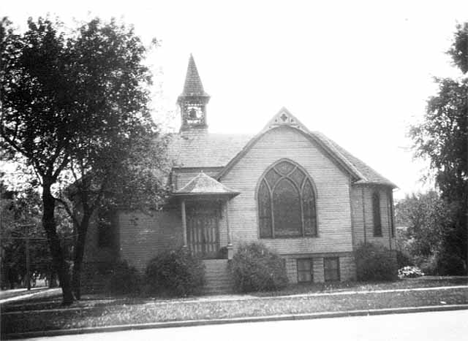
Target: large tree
[
  {"x": 442, "y": 138},
  {"x": 75, "y": 105}
]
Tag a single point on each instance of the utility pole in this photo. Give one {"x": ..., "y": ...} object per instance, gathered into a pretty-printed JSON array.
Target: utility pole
[
  {"x": 28, "y": 258},
  {"x": 28, "y": 262}
]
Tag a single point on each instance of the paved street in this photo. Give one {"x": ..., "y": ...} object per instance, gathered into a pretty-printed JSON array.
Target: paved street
[{"x": 444, "y": 326}]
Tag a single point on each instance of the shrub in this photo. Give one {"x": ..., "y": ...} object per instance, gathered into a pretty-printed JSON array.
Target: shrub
[
  {"x": 410, "y": 272},
  {"x": 375, "y": 263},
  {"x": 255, "y": 268},
  {"x": 428, "y": 265},
  {"x": 449, "y": 264},
  {"x": 175, "y": 273},
  {"x": 125, "y": 279},
  {"x": 403, "y": 259}
]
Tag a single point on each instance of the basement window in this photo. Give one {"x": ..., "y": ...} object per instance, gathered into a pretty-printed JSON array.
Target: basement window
[
  {"x": 305, "y": 270},
  {"x": 331, "y": 267}
]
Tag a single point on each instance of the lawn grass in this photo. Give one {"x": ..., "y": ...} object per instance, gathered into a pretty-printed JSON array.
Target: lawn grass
[
  {"x": 106, "y": 311},
  {"x": 421, "y": 282}
]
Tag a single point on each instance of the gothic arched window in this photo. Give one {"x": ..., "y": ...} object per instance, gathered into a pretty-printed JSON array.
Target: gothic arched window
[{"x": 286, "y": 203}]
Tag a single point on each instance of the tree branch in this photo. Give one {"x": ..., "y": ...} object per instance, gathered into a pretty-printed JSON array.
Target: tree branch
[{"x": 68, "y": 210}]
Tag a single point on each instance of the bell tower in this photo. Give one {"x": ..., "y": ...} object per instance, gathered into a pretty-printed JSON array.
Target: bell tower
[{"x": 193, "y": 100}]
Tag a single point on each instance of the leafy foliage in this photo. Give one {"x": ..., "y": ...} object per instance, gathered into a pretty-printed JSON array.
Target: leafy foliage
[
  {"x": 125, "y": 279},
  {"x": 176, "y": 273},
  {"x": 429, "y": 222},
  {"x": 449, "y": 264},
  {"x": 375, "y": 263},
  {"x": 459, "y": 49},
  {"x": 403, "y": 259},
  {"x": 19, "y": 209},
  {"x": 75, "y": 105},
  {"x": 427, "y": 219},
  {"x": 256, "y": 268},
  {"x": 442, "y": 138}
]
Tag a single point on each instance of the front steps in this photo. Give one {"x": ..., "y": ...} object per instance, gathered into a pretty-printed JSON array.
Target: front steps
[{"x": 217, "y": 277}]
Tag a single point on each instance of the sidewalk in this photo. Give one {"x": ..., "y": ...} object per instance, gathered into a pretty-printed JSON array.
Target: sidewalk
[{"x": 23, "y": 293}]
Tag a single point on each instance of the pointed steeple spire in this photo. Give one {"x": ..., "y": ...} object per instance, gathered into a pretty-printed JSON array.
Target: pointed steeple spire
[
  {"x": 193, "y": 85},
  {"x": 193, "y": 100}
]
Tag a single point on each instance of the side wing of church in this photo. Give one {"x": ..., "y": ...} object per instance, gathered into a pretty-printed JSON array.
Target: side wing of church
[{"x": 292, "y": 189}]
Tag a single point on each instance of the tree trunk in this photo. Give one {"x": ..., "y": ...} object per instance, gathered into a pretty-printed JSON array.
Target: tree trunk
[
  {"x": 50, "y": 226},
  {"x": 79, "y": 253}
]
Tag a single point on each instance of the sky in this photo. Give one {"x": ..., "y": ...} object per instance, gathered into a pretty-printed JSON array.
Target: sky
[{"x": 358, "y": 71}]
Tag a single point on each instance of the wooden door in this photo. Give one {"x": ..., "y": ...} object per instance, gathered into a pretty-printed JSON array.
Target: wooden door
[{"x": 203, "y": 229}]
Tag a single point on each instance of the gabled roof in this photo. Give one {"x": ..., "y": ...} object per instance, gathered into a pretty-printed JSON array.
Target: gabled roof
[
  {"x": 203, "y": 185},
  {"x": 368, "y": 174},
  {"x": 360, "y": 172},
  {"x": 193, "y": 86},
  {"x": 199, "y": 149}
]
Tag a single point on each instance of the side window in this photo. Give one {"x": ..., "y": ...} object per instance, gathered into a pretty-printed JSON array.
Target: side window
[
  {"x": 376, "y": 214},
  {"x": 391, "y": 213}
]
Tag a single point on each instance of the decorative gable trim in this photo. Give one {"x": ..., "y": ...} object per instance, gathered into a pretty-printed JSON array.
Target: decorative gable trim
[{"x": 284, "y": 118}]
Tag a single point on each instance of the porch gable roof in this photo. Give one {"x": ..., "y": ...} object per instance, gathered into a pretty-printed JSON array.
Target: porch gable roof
[{"x": 204, "y": 185}]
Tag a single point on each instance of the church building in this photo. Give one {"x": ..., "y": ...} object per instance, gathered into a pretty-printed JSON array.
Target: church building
[{"x": 292, "y": 189}]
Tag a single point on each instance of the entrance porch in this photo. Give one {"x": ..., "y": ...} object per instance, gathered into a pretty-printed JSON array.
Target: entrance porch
[{"x": 203, "y": 202}]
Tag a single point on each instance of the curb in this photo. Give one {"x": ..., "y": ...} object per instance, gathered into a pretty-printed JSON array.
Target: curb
[{"x": 273, "y": 318}]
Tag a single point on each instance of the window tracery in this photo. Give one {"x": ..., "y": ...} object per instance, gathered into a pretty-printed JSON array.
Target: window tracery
[{"x": 286, "y": 203}]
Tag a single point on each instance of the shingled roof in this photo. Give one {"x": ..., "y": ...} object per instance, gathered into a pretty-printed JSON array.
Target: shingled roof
[
  {"x": 199, "y": 149},
  {"x": 203, "y": 185},
  {"x": 193, "y": 86},
  {"x": 204, "y": 150},
  {"x": 367, "y": 174}
]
